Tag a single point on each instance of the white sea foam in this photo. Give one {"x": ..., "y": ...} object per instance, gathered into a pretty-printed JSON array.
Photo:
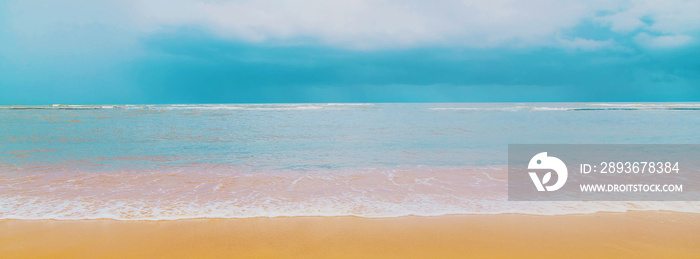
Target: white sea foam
[
  {"x": 575, "y": 107},
  {"x": 443, "y": 107},
  {"x": 259, "y": 107},
  {"x": 227, "y": 192},
  {"x": 552, "y": 108},
  {"x": 35, "y": 208},
  {"x": 509, "y": 109}
]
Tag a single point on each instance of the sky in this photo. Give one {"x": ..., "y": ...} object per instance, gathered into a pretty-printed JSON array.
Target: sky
[{"x": 216, "y": 51}]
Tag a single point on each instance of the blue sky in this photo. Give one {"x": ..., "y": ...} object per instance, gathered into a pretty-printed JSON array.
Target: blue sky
[{"x": 207, "y": 51}]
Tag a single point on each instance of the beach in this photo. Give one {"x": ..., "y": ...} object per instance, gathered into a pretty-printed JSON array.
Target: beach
[
  {"x": 349, "y": 129},
  {"x": 636, "y": 234}
]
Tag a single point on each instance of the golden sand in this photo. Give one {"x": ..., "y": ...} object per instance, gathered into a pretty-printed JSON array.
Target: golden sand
[{"x": 618, "y": 235}]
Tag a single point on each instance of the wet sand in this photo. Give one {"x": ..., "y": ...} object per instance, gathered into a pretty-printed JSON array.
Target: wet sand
[{"x": 618, "y": 235}]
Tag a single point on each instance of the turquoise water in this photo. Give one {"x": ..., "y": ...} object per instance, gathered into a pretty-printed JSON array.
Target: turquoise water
[
  {"x": 309, "y": 136},
  {"x": 359, "y": 159}
]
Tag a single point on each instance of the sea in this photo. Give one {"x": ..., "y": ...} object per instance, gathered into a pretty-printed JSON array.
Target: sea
[{"x": 166, "y": 162}]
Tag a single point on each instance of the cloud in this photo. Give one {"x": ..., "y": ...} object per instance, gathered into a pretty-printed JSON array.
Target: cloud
[
  {"x": 587, "y": 44},
  {"x": 664, "y": 41},
  {"x": 674, "y": 20},
  {"x": 367, "y": 24},
  {"x": 373, "y": 24},
  {"x": 379, "y": 23},
  {"x": 668, "y": 16}
]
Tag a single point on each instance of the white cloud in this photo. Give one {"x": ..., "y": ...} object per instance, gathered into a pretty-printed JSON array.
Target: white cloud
[
  {"x": 664, "y": 41},
  {"x": 675, "y": 20},
  {"x": 667, "y": 16},
  {"x": 371, "y": 24},
  {"x": 380, "y": 23},
  {"x": 586, "y": 44}
]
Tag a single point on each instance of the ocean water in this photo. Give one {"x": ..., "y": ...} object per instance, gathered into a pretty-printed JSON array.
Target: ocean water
[{"x": 264, "y": 160}]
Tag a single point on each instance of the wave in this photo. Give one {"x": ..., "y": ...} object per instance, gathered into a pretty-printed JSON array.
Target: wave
[
  {"x": 262, "y": 107},
  {"x": 580, "y": 107},
  {"x": 509, "y": 109},
  {"x": 505, "y": 107},
  {"x": 221, "y": 191},
  {"x": 134, "y": 210}
]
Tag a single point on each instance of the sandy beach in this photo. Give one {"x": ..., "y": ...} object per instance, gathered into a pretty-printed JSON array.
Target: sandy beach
[{"x": 609, "y": 235}]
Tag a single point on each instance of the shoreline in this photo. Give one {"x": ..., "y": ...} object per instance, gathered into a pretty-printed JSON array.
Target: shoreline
[
  {"x": 642, "y": 234},
  {"x": 345, "y": 216}
]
